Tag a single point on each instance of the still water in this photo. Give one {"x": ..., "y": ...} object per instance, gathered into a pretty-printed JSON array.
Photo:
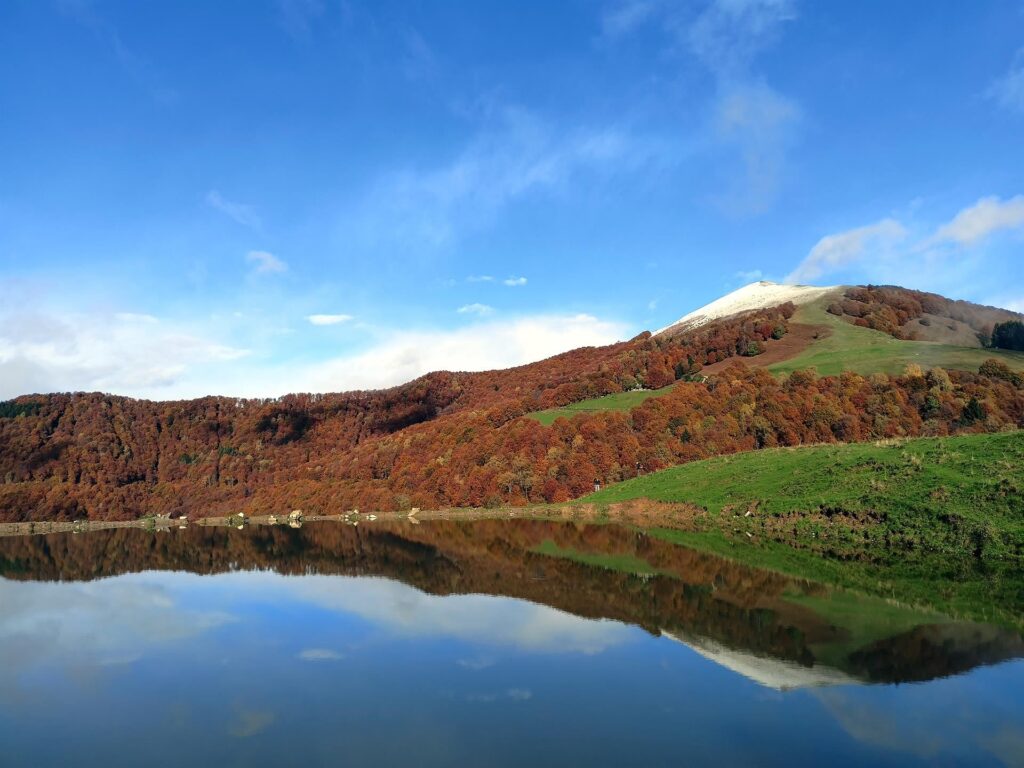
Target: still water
[{"x": 484, "y": 643}]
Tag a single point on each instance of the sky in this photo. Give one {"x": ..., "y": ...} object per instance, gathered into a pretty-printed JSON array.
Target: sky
[{"x": 266, "y": 196}]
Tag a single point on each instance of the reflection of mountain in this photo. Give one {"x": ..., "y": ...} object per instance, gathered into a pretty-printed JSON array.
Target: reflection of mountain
[
  {"x": 770, "y": 672},
  {"x": 771, "y": 628}
]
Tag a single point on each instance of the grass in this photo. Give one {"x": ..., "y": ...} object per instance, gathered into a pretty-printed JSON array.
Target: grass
[
  {"x": 963, "y": 496},
  {"x": 621, "y": 562},
  {"x": 865, "y": 351},
  {"x": 620, "y": 401}
]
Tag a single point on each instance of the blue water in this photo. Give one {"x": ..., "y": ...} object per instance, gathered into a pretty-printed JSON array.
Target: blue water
[{"x": 250, "y": 668}]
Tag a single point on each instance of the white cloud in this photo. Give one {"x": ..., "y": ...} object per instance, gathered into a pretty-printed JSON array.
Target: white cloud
[
  {"x": 328, "y": 319},
  {"x": 243, "y": 214},
  {"x": 89, "y": 625},
  {"x": 987, "y": 216},
  {"x": 475, "y": 309},
  {"x": 1008, "y": 91},
  {"x": 401, "y": 356},
  {"x": 837, "y": 251},
  {"x": 265, "y": 263},
  {"x": 124, "y": 352},
  {"x": 403, "y": 610},
  {"x": 143, "y": 356},
  {"x": 514, "y": 282},
  {"x": 480, "y": 279},
  {"x": 319, "y": 654}
]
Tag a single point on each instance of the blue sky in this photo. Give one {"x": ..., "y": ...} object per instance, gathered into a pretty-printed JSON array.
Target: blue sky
[{"x": 259, "y": 197}]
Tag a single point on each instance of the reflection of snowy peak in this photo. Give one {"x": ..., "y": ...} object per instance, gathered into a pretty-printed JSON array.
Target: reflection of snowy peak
[
  {"x": 771, "y": 673},
  {"x": 753, "y": 296}
]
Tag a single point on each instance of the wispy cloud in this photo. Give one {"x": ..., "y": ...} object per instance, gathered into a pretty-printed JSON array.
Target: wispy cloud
[
  {"x": 977, "y": 222},
  {"x": 758, "y": 123},
  {"x": 476, "y": 663},
  {"x": 1008, "y": 90},
  {"x": 622, "y": 18},
  {"x": 419, "y": 61},
  {"x": 515, "y": 694},
  {"x": 328, "y": 319},
  {"x": 515, "y": 155},
  {"x": 249, "y": 722},
  {"x": 299, "y": 16},
  {"x": 85, "y": 13},
  {"x": 729, "y": 34},
  {"x": 265, "y": 263},
  {"x": 475, "y": 309},
  {"x": 749, "y": 118},
  {"x": 239, "y": 212},
  {"x": 319, "y": 654},
  {"x": 834, "y": 252},
  {"x": 749, "y": 276},
  {"x": 514, "y": 282},
  {"x": 480, "y": 279}
]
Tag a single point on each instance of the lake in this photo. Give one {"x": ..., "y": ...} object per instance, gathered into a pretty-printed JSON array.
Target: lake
[{"x": 483, "y": 643}]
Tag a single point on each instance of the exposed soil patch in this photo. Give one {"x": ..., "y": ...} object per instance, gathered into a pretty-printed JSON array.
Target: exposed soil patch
[{"x": 799, "y": 338}]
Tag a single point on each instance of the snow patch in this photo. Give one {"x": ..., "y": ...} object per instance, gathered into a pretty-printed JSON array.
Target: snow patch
[{"x": 753, "y": 296}]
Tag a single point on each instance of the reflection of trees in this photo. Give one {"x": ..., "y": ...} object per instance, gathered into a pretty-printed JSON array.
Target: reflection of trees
[
  {"x": 931, "y": 651},
  {"x": 693, "y": 594}
]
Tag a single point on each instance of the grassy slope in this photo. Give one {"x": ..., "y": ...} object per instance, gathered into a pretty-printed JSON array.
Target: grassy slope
[
  {"x": 943, "y": 494},
  {"x": 850, "y": 347},
  {"x": 620, "y": 401},
  {"x": 856, "y": 475}
]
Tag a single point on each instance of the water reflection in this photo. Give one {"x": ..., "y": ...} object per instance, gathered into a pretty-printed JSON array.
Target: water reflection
[{"x": 486, "y": 643}]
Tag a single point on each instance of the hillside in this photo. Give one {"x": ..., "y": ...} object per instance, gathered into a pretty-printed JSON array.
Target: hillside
[
  {"x": 958, "y": 496},
  {"x": 537, "y": 433}
]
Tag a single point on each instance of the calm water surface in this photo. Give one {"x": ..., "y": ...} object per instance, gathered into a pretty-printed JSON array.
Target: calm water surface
[{"x": 485, "y": 643}]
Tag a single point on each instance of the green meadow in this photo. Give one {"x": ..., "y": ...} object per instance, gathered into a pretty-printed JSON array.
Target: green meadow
[
  {"x": 851, "y": 348},
  {"x": 620, "y": 401},
  {"x": 962, "y": 496}
]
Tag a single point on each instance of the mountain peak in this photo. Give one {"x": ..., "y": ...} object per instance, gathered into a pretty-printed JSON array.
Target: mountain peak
[{"x": 756, "y": 295}]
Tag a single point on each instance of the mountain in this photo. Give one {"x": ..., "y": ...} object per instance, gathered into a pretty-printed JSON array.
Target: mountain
[
  {"x": 730, "y": 377},
  {"x": 758, "y": 295}
]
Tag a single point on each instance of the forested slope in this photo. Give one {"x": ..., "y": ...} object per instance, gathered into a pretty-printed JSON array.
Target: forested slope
[{"x": 461, "y": 439}]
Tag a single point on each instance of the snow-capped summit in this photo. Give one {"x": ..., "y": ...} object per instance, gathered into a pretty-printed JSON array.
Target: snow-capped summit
[{"x": 763, "y": 293}]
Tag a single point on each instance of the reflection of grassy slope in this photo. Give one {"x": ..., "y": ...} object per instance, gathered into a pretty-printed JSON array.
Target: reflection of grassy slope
[
  {"x": 937, "y": 582},
  {"x": 866, "y": 620},
  {"x": 619, "y": 562},
  {"x": 932, "y": 492},
  {"x": 620, "y": 401},
  {"x": 850, "y": 347}
]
